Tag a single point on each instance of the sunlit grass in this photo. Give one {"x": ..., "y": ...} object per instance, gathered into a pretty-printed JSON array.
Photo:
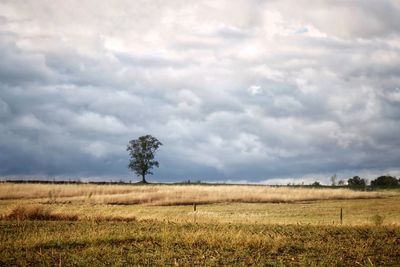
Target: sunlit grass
[
  {"x": 119, "y": 225},
  {"x": 152, "y": 243},
  {"x": 174, "y": 194},
  {"x": 228, "y": 204}
]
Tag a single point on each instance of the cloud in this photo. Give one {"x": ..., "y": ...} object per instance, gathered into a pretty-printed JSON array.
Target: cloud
[
  {"x": 345, "y": 19},
  {"x": 245, "y": 91}
]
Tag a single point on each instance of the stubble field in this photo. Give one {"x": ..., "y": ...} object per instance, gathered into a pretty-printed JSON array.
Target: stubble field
[{"x": 124, "y": 225}]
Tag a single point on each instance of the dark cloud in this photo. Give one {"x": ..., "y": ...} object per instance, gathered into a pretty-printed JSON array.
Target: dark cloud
[
  {"x": 19, "y": 67},
  {"x": 247, "y": 91}
]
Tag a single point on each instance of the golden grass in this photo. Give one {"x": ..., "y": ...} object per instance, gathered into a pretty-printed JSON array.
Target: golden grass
[
  {"x": 273, "y": 226},
  {"x": 152, "y": 243},
  {"x": 37, "y": 212},
  {"x": 24, "y": 191},
  {"x": 41, "y": 213},
  {"x": 165, "y": 195},
  {"x": 186, "y": 195},
  {"x": 221, "y": 204}
]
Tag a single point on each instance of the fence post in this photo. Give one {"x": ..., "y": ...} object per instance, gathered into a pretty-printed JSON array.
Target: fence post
[
  {"x": 194, "y": 212},
  {"x": 341, "y": 216}
]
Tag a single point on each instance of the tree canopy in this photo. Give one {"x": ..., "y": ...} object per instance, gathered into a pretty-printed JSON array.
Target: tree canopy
[
  {"x": 385, "y": 181},
  {"x": 356, "y": 181},
  {"x": 142, "y": 152}
]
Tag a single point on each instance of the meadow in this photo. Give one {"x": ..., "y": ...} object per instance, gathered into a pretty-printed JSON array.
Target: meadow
[
  {"x": 123, "y": 225},
  {"x": 166, "y": 195}
]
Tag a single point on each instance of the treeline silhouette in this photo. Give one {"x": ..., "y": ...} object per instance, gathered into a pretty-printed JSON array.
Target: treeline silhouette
[{"x": 384, "y": 181}]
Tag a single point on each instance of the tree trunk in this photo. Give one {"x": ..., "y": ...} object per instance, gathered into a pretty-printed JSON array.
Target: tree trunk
[{"x": 144, "y": 179}]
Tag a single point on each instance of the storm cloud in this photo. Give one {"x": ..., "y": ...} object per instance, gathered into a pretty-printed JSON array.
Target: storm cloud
[{"x": 240, "y": 91}]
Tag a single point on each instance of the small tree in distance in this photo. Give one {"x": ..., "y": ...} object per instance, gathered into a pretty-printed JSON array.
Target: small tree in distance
[
  {"x": 333, "y": 179},
  {"x": 356, "y": 181},
  {"x": 385, "y": 181},
  {"x": 316, "y": 184},
  {"x": 142, "y": 152}
]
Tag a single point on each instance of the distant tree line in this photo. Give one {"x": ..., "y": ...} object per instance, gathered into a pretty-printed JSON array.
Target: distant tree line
[
  {"x": 384, "y": 181},
  {"x": 381, "y": 181}
]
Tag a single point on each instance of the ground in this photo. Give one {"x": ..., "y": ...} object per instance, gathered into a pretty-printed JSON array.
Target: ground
[{"x": 297, "y": 233}]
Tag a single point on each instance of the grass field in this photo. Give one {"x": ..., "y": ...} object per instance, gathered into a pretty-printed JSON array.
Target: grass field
[
  {"x": 43, "y": 243},
  {"x": 174, "y": 194},
  {"x": 243, "y": 225}
]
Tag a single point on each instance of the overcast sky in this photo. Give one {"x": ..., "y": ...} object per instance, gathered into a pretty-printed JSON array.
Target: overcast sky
[{"x": 235, "y": 90}]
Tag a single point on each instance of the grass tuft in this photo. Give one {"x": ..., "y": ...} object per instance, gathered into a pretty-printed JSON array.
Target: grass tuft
[
  {"x": 377, "y": 220},
  {"x": 37, "y": 213},
  {"x": 40, "y": 213},
  {"x": 110, "y": 218}
]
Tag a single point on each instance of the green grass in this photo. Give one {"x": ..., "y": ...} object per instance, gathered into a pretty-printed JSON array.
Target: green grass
[{"x": 86, "y": 243}]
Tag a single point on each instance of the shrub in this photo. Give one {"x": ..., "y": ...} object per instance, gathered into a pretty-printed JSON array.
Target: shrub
[
  {"x": 37, "y": 213},
  {"x": 377, "y": 219},
  {"x": 356, "y": 181},
  {"x": 316, "y": 184},
  {"x": 385, "y": 181}
]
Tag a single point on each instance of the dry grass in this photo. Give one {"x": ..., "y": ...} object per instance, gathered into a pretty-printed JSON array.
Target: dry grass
[
  {"x": 29, "y": 191},
  {"x": 34, "y": 233},
  {"x": 186, "y": 195},
  {"x": 113, "y": 218},
  {"x": 37, "y": 212},
  {"x": 166, "y": 195},
  {"x": 222, "y": 204},
  {"x": 42, "y": 213},
  {"x": 152, "y": 243}
]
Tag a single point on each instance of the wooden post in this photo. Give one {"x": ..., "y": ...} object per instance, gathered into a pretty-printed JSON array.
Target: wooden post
[
  {"x": 194, "y": 212},
  {"x": 341, "y": 216}
]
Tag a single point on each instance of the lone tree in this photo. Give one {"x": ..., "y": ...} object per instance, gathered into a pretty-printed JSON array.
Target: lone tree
[{"x": 142, "y": 152}]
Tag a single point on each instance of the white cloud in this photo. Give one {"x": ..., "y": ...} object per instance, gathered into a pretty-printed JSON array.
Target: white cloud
[
  {"x": 96, "y": 122},
  {"x": 96, "y": 149},
  {"x": 255, "y": 89},
  {"x": 244, "y": 89},
  {"x": 30, "y": 121}
]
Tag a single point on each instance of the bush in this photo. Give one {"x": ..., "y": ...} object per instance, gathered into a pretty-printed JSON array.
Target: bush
[
  {"x": 316, "y": 184},
  {"x": 377, "y": 219},
  {"x": 385, "y": 181},
  {"x": 356, "y": 181},
  {"x": 37, "y": 213}
]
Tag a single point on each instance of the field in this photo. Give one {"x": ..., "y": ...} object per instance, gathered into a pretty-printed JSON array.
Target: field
[{"x": 124, "y": 225}]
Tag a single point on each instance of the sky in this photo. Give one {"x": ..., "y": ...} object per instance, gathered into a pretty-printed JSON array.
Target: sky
[{"x": 237, "y": 91}]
